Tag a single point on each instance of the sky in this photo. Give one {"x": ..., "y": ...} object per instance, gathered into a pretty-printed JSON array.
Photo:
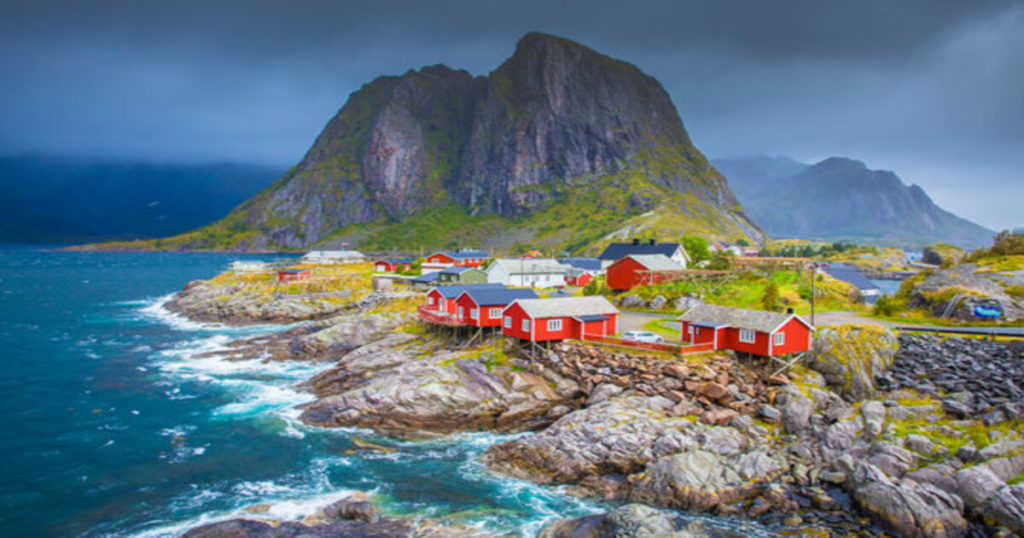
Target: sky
[{"x": 933, "y": 90}]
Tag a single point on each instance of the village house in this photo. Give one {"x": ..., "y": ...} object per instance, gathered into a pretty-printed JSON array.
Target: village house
[
  {"x": 294, "y": 274},
  {"x": 484, "y": 307},
  {"x": 392, "y": 265},
  {"x": 425, "y": 280},
  {"x": 441, "y": 299},
  {"x": 616, "y": 251},
  {"x": 544, "y": 320},
  {"x": 456, "y": 258},
  {"x": 334, "y": 256},
  {"x": 639, "y": 269},
  {"x": 746, "y": 331},
  {"x": 581, "y": 270},
  {"x": 461, "y": 275},
  {"x": 528, "y": 272}
]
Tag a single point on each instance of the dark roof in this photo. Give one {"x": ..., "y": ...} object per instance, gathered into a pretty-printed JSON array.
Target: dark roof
[
  {"x": 588, "y": 264},
  {"x": 617, "y": 251},
  {"x": 738, "y": 318},
  {"x": 847, "y": 273},
  {"x": 293, "y": 270},
  {"x": 493, "y": 297},
  {"x": 463, "y": 254},
  {"x": 451, "y": 292},
  {"x": 455, "y": 270},
  {"x": 396, "y": 261},
  {"x": 427, "y": 278},
  {"x": 591, "y": 318}
]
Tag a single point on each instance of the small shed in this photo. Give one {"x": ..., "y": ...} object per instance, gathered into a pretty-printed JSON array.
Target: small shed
[
  {"x": 294, "y": 274},
  {"x": 628, "y": 272},
  {"x": 543, "y": 320},
  {"x": 461, "y": 275},
  {"x": 484, "y": 307},
  {"x": 748, "y": 331}
]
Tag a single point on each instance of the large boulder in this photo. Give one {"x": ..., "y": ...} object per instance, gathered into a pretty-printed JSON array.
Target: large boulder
[
  {"x": 906, "y": 507},
  {"x": 627, "y": 521},
  {"x": 850, "y": 356},
  {"x": 942, "y": 254}
]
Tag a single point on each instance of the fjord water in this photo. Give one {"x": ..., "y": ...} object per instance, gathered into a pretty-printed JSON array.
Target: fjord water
[{"x": 117, "y": 420}]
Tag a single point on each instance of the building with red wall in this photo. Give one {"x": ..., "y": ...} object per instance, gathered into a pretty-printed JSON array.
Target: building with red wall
[
  {"x": 484, "y": 307},
  {"x": 294, "y": 275},
  {"x": 544, "y": 320},
  {"x": 392, "y": 265},
  {"x": 746, "y": 331},
  {"x": 627, "y": 273},
  {"x": 454, "y": 258}
]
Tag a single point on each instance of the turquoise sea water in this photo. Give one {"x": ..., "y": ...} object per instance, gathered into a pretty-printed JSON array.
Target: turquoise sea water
[{"x": 113, "y": 425}]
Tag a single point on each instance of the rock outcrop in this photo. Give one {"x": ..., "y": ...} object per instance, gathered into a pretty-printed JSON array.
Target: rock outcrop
[
  {"x": 850, "y": 357},
  {"x": 551, "y": 122}
]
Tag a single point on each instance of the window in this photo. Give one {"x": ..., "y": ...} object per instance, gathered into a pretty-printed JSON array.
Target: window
[
  {"x": 508, "y": 322},
  {"x": 696, "y": 331},
  {"x": 747, "y": 336},
  {"x": 462, "y": 312},
  {"x": 554, "y": 324},
  {"x": 430, "y": 301},
  {"x": 526, "y": 325},
  {"x": 474, "y": 314},
  {"x": 780, "y": 339},
  {"x": 690, "y": 329},
  {"x": 495, "y": 313}
]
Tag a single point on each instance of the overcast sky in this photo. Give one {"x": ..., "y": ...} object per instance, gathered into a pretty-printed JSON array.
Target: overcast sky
[{"x": 933, "y": 90}]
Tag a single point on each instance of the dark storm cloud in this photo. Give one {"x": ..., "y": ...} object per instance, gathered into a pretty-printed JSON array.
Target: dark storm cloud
[{"x": 931, "y": 89}]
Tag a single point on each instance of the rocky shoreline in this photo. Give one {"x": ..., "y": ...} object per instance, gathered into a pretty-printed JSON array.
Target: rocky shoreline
[{"x": 863, "y": 438}]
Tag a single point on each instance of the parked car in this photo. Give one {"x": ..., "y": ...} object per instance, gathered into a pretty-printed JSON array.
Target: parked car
[{"x": 643, "y": 336}]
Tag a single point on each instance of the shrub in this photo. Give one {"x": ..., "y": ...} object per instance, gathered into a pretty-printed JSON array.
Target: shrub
[
  {"x": 887, "y": 306},
  {"x": 770, "y": 299}
]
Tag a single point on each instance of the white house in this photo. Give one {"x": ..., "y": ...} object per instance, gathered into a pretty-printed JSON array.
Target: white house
[
  {"x": 530, "y": 272},
  {"x": 334, "y": 256}
]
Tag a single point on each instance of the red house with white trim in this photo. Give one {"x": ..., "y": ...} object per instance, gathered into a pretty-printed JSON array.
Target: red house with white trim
[
  {"x": 441, "y": 299},
  {"x": 294, "y": 275},
  {"x": 459, "y": 258},
  {"x": 484, "y": 307},
  {"x": 748, "y": 331},
  {"x": 544, "y": 320},
  {"x": 392, "y": 265},
  {"x": 626, "y": 274}
]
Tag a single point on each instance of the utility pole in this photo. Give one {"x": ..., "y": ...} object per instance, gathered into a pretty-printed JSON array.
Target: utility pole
[{"x": 814, "y": 275}]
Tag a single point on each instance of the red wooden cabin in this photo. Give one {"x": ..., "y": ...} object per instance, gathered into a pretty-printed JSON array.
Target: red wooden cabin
[
  {"x": 578, "y": 277},
  {"x": 748, "y": 331},
  {"x": 460, "y": 258},
  {"x": 484, "y": 307},
  {"x": 441, "y": 299},
  {"x": 627, "y": 273},
  {"x": 543, "y": 320},
  {"x": 294, "y": 275},
  {"x": 392, "y": 265}
]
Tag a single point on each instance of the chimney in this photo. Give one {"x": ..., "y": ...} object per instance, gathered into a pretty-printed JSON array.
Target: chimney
[
  {"x": 789, "y": 310},
  {"x": 651, "y": 242},
  {"x": 636, "y": 241}
]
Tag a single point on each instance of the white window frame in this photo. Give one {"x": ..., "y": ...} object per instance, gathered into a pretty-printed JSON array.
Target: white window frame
[
  {"x": 526, "y": 325},
  {"x": 554, "y": 325},
  {"x": 508, "y": 322},
  {"x": 496, "y": 313},
  {"x": 779, "y": 339},
  {"x": 748, "y": 336},
  {"x": 431, "y": 300},
  {"x": 474, "y": 313},
  {"x": 462, "y": 312},
  {"x": 689, "y": 329}
]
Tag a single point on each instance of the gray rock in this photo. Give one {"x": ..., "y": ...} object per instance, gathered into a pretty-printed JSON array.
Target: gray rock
[
  {"x": 632, "y": 301},
  {"x": 919, "y": 443},
  {"x": 796, "y": 411},
  {"x": 658, "y": 303},
  {"x": 955, "y": 408},
  {"x": 603, "y": 393},
  {"x": 873, "y": 413},
  {"x": 769, "y": 413},
  {"x": 849, "y": 358},
  {"x": 907, "y": 507}
]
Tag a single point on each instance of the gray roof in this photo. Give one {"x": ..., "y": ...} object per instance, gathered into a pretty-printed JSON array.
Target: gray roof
[
  {"x": 396, "y": 261},
  {"x": 498, "y": 296},
  {"x": 656, "y": 262},
  {"x": 532, "y": 266},
  {"x": 587, "y": 264},
  {"x": 567, "y": 306},
  {"x": 451, "y": 292},
  {"x": 427, "y": 278},
  {"x": 464, "y": 254},
  {"x": 456, "y": 270},
  {"x": 334, "y": 254},
  {"x": 739, "y": 318},
  {"x": 617, "y": 251}
]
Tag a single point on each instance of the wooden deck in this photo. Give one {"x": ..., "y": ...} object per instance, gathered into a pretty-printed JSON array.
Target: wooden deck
[{"x": 437, "y": 318}]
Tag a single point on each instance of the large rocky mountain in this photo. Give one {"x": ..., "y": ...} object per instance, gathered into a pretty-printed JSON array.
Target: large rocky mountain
[
  {"x": 50, "y": 199},
  {"x": 840, "y": 199},
  {"x": 559, "y": 146}
]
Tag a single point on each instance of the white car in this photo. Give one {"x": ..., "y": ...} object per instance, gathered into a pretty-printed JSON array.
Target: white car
[{"x": 643, "y": 336}]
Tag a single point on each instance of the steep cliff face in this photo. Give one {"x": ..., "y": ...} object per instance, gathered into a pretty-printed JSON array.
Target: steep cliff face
[
  {"x": 842, "y": 199},
  {"x": 555, "y": 122}
]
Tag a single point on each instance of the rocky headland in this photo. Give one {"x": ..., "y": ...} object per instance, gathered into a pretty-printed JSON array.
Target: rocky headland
[{"x": 874, "y": 432}]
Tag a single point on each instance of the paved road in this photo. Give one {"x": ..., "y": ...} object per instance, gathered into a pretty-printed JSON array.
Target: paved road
[{"x": 634, "y": 321}]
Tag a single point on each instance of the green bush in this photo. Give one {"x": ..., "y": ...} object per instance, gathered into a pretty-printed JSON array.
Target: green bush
[
  {"x": 887, "y": 306},
  {"x": 770, "y": 299}
]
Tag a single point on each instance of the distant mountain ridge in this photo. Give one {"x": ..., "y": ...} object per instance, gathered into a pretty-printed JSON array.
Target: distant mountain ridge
[
  {"x": 840, "y": 199},
  {"x": 559, "y": 146},
  {"x": 48, "y": 199}
]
